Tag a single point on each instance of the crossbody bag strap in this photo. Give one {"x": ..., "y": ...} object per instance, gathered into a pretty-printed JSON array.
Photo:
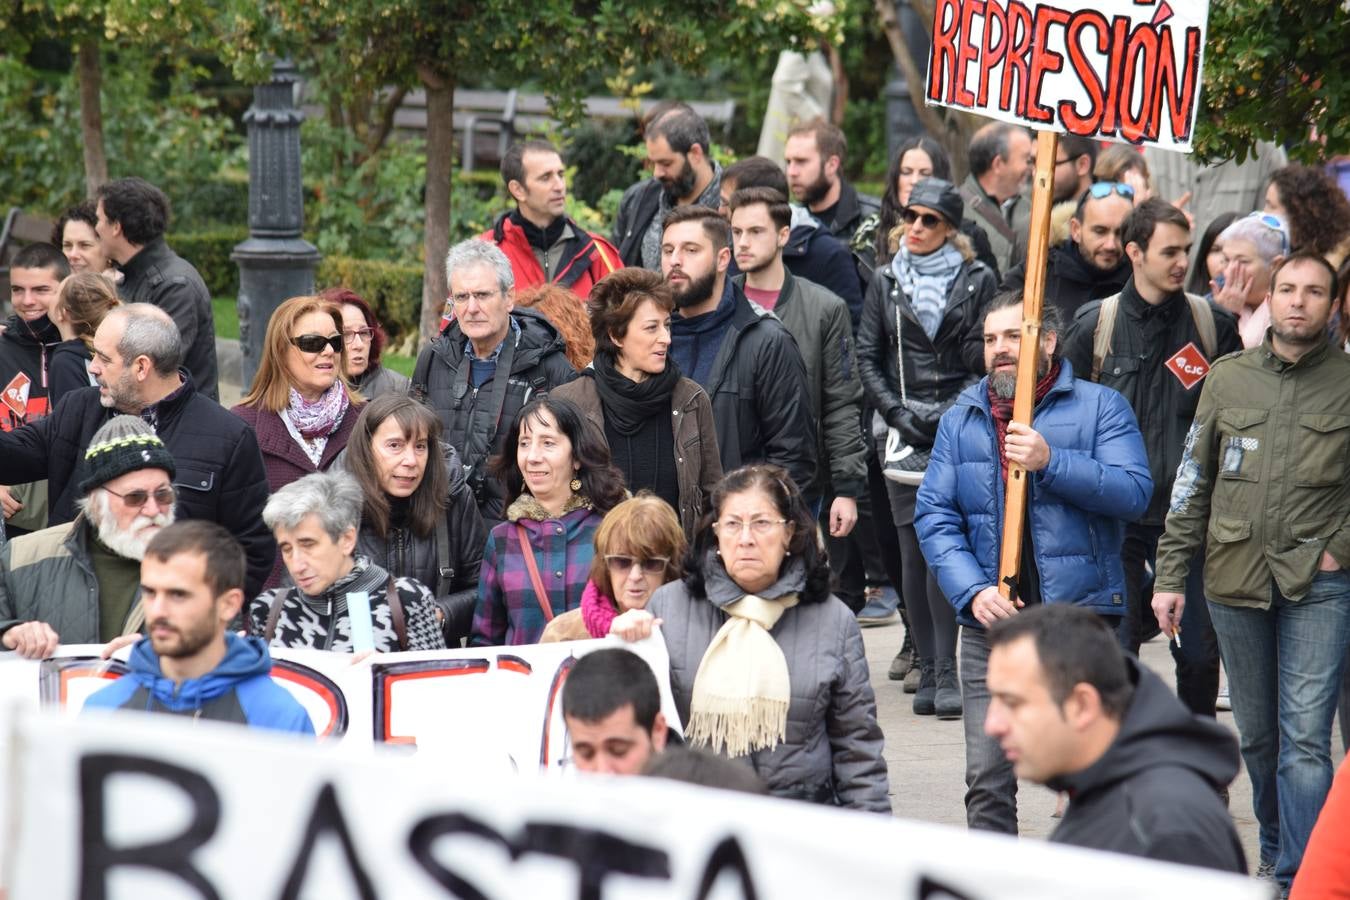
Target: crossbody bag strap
[
  {"x": 990, "y": 213},
  {"x": 396, "y": 613},
  {"x": 900, "y": 357},
  {"x": 444, "y": 571},
  {"x": 540, "y": 594},
  {"x": 273, "y": 614}
]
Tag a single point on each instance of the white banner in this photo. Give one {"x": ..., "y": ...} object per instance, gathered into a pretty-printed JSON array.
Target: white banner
[
  {"x": 153, "y": 808},
  {"x": 1120, "y": 70},
  {"x": 500, "y": 705}
]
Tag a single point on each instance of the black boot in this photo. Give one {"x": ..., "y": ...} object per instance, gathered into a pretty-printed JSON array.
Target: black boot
[
  {"x": 947, "y": 701},
  {"x": 926, "y": 695},
  {"x": 904, "y": 660}
]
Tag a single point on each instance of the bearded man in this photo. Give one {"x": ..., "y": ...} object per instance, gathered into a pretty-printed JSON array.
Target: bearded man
[
  {"x": 1087, "y": 476},
  {"x": 79, "y": 582}
]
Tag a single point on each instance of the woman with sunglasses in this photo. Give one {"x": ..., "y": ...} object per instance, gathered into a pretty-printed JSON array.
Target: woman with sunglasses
[
  {"x": 920, "y": 342},
  {"x": 300, "y": 406},
  {"x": 536, "y": 563},
  {"x": 638, "y": 547},
  {"x": 765, "y": 664},
  {"x": 365, "y": 340}
]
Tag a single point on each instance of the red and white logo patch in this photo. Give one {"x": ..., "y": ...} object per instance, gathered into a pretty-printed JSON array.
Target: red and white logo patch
[
  {"x": 1189, "y": 365},
  {"x": 15, "y": 395}
]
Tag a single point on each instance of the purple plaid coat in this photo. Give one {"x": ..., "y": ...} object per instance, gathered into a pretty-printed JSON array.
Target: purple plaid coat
[{"x": 508, "y": 611}]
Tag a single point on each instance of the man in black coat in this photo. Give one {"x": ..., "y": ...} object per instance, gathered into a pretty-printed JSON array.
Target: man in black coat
[
  {"x": 487, "y": 363},
  {"x": 1091, "y": 264},
  {"x": 1075, "y": 713},
  {"x": 132, "y": 216},
  {"x": 219, "y": 469},
  {"x": 739, "y": 353}
]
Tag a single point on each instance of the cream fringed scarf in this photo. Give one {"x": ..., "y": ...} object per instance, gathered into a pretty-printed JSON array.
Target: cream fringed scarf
[{"x": 741, "y": 691}]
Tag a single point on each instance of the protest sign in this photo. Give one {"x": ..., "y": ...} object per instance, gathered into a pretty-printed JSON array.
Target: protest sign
[
  {"x": 1122, "y": 70},
  {"x": 500, "y": 705},
  {"x": 153, "y": 808}
]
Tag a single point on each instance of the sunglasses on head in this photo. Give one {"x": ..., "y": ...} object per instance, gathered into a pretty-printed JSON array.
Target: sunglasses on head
[
  {"x": 1276, "y": 224},
  {"x": 1106, "y": 188},
  {"x": 929, "y": 220},
  {"x": 654, "y": 565},
  {"x": 314, "y": 343}
]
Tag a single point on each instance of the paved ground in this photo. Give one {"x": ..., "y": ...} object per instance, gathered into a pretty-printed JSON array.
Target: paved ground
[{"x": 926, "y": 758}]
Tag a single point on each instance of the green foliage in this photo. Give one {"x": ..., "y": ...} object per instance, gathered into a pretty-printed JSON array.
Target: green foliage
[
  {"x": 393, "y": 290},
  {"x": 210, "y": 252},
  {"x": 593, "y": 150},
  {"x": 225, "y": 314},
  {"x": 1273, "y": 71}
]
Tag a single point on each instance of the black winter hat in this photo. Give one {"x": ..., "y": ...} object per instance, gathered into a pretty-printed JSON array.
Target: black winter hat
[
  {"x": 940, "y": 195},
  {"x": 125, "y": 444}
]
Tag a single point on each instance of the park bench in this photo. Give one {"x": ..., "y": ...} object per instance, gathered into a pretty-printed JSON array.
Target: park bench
[
  {"x": 20, "y": 230},
  {"x": 488, "y": 121}
]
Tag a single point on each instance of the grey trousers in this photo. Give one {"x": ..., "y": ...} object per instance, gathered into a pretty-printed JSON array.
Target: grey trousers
[{"x": 991, "y": 786}]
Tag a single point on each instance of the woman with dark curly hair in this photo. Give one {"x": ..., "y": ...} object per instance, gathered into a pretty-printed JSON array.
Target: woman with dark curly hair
[
  {"x": 537, "y": 562},
  {"x": 756, "y": 642},
  {"x": 364, "y": 339},
  {"x": 1315, "y": 208}
]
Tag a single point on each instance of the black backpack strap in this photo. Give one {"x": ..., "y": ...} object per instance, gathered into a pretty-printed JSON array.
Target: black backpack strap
[
  {"x": 422, "y": 373},
  {"x": 445, "y": 572}
]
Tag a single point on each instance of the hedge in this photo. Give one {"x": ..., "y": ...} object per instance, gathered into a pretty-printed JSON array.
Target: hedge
[{"x": 393, "y": 290}]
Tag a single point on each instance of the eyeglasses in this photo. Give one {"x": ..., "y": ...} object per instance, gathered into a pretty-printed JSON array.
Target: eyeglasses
[
  {"x": 735, "y": 527},
  {"x": 362, "y": 334},
  {"x": 652, "y": 565},
  {"x": 314, "y": 343},
  {"x": 164, "y": 497},
  {"x": 929, "y": 220},
  {"x": 1104, "y": 189},
  {"x": 480, "y": 296},
  {"x": 1276, "y": 224}
]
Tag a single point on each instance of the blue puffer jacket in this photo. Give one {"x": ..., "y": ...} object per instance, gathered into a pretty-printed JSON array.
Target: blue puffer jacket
[{"x": 1097, "y": 480}]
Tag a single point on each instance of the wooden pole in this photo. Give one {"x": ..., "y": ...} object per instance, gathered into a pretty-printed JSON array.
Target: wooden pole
[{"x": 1038, "y": 246}]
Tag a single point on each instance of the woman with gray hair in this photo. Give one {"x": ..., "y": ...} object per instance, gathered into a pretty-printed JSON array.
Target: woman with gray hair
[
  {"x": 1251, "y": 246},
  {"x": 339, "y": 601}
]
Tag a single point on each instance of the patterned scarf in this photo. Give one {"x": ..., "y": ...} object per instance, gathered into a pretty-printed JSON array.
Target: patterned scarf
[
  {"x": 1002, "y": 410},
  {"x": 926, "y": 280},
  {"x": 322, "y": 417},
  {"x": 597, "y": 611}
]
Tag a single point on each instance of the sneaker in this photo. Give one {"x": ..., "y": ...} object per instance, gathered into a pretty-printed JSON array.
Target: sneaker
[
  {"x": 1223, "y": 702},
  {"x": 880, "y": 609}
]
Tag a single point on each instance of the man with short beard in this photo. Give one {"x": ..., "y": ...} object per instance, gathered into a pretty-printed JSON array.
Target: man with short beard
[
  {"x": 683, "y": 174},
  {"x": 738, "y": 352},
  {"x": 1087, "y": 475},
  {"x": 78, "y": 583},
  {"x": 190, "y": 664},
  {"x": 814, "y": 157}
]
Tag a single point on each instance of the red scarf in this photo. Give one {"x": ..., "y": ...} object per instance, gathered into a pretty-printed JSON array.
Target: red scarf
[{"x": 1003, "y": 409}]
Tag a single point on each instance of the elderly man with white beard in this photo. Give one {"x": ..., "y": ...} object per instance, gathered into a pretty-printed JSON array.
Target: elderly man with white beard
[{"x": 79, "y": 582}]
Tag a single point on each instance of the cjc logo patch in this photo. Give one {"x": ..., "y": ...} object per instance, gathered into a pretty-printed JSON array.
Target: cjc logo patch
[{"x": 1189, "y": 365}]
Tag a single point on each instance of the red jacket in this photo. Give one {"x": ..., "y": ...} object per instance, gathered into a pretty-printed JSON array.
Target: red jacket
[{"x": 585, "y": 260}]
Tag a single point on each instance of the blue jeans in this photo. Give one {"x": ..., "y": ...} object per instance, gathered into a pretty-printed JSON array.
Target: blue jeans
[{"x": 1284, "y": 669}]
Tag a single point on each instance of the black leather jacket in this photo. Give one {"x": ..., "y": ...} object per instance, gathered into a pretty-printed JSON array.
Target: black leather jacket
[{"x": 935, "y": 369}]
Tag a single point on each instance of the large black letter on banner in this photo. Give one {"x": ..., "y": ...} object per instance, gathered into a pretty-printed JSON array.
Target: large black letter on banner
[
  {"x": 596, "y": 854},
  {"x": 98, "y": 858},
  {"x": 429, "y": 830},
  {"x": 930, "y": 889},
  {"x": 327, "y": 816},
  {"x": 726, "y": 856}
]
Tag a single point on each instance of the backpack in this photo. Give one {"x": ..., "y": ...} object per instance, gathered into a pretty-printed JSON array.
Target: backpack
[{"x": 1201, "y": 314}]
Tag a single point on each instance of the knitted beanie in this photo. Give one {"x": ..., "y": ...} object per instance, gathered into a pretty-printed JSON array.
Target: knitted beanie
[{"x": 125, "y": 444}]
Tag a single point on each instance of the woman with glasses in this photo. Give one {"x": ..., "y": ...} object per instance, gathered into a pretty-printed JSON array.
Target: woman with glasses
[
  {"x": 638, "y": 547},
  {"x": 657, "y": 424},
  {"x": 364, "y": 341},
  {"x": 418, "y": 516},
  {"x": 536, "y": 563},
  {"x": 300, "y": 406},
  {"x": 920, "y": 342},
  {"x": 765, "y": 664}
]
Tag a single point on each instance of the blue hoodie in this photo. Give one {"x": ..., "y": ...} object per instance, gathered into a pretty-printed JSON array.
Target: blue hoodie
[{"x": 239, "y": 690}]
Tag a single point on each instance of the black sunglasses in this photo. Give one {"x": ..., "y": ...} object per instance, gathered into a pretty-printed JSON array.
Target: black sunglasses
[
  {"x": 314, "y": 343},
  {"x": 929, "y": 220}
]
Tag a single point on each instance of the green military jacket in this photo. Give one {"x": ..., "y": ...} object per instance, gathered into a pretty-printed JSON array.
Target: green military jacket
[{"x": 1264, "y": 478}]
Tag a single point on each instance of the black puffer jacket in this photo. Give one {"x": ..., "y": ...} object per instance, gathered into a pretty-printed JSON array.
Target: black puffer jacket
[
  {"x": 1071, "y": 281},
  {"x": 760, "y": 398},
  {"x": 477, "y": 432},
  {"x": 935, "y": 370},
  {"x": 1155, "y": 791},
  {"x": 220, "y": 469},
  {"x": 408, "y": 555},
  {"x": 1144, "y": 339}
]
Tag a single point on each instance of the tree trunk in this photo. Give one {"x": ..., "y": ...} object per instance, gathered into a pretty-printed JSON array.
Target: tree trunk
[
  {"x": 90, "y": 74},
  {"x": 440, "y": 165},
  {"x": 840, "y": 100}
]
